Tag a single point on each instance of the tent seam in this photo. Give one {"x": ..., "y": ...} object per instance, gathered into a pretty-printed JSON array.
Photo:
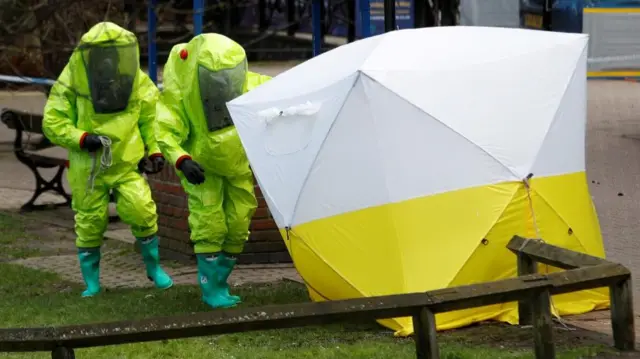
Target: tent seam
[
  {"x": 358, "y": 69},
  {"x": 266, "y": 193},
  {"x": 561, "y": 218},
  {"x": 484, "y": 63},
  {"x": 447, "y": 126},
  {"x": 315, "y": 158},
  {"x": 513, "y": 195},
  {"x": 389, "y": 205},
  {"x": 328, "y": 266},
  {"x": 375, "y": 48}
]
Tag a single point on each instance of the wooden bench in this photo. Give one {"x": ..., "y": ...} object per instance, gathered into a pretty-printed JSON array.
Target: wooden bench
[
  {"x": 27, "y": 153},
  {"x": 24, "y": 122}
]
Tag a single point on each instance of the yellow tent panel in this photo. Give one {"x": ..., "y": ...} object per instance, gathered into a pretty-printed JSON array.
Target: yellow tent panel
[{"x": 443, "y": 245}]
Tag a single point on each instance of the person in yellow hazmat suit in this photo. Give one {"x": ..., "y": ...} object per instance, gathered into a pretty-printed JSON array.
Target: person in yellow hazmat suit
[
  {"x": 196, "y": 134},
  {"x": 102, "y": 109}
]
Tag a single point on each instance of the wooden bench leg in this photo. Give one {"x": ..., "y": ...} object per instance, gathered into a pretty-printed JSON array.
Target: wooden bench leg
[
  {"x": 42, "y": 186},
  {"x": 543, "y": 326},
  {"x": 63, "y": 353},
  {"x": 114, "y": 218},
  {"x": 526, "y": 266},
  {"x": 624, "y": 335},
  {"x": 56, "y": 185},
  {"x": 424, "y": 332}
]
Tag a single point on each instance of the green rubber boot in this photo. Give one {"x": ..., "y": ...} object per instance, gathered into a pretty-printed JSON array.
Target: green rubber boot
[
  {"x": 151, "y": 258},
  {"x": 225, "y": 267},
  {"x": 208, "y": 278},
  {"x": 90, "y": 268}
]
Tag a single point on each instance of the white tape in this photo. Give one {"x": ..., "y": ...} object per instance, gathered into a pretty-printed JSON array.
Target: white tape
[
  {"x": 306, "y": 109},
  {"x": 35, "y": 80}
]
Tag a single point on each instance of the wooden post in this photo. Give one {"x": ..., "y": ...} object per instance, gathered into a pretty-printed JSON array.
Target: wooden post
[
  {"x": 424, "y": 332},
  {"x": 63, "y": 353},
  {"x": 624, "y": 335},
  {"x": 543, "y": 325},
  {"x": 526, "y": 266}
]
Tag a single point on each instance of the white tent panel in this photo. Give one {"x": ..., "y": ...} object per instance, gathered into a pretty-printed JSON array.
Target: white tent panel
[
  {"x": 282, "y": 138},
  {"x": 347, "y": 174},
  {"x": 502, "y": 104},
  {"x": 313, "y": 75},
  {"x": 563, "y": 150},
  {"x": 420, "y": 155},
  {"x": 450, "y": 48},
  {"x": 383, "y": 149}
]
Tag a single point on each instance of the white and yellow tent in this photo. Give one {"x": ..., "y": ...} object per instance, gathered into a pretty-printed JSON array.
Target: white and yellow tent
[{"x": 405, "y": 162}]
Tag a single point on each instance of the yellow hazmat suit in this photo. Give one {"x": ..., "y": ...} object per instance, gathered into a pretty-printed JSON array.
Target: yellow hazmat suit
[
  {"x": 102, "y": 109},
  {"x": 196, "y": 134}
]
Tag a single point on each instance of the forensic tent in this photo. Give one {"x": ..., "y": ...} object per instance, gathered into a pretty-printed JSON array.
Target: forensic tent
[{"x": 405, "y": 162}]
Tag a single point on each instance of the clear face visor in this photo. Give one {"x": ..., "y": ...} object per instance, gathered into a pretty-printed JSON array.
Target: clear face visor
[
  {"x": 111, "y": 72},
  {"x": 216, "y": 89}
]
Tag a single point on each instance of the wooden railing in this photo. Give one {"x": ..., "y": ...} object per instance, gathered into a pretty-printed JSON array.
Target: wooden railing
[{"x": 531, "y": 289}]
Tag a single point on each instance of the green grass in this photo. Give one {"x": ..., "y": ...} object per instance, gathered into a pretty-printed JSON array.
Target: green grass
[
  {"x": 24, "y": 236},
  {"x": 12, "y": 232},
  {"x": 34, "y": 298}
]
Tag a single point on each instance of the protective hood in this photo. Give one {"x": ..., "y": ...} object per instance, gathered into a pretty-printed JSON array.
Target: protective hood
[
  {"x": 221, "y": 77},
  {"x": 199, "y": 77},
  {"x": 102, "y": 91},
  {"x": 110, "y": 59}
]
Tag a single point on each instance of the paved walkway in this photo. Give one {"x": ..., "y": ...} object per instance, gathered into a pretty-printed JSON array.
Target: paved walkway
[
  {"x": 126, "y": 270},
  {"x": 613, "y": 167},
  {"x": 121, "y": 266}
]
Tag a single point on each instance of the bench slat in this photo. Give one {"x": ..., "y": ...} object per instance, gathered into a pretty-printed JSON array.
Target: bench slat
[
  {"x": 46, "y": 162},
  {"x": 25, "y": 121}
]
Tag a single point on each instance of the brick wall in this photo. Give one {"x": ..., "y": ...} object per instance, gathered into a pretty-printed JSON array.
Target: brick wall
[{"x": 265, "y": 244}]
